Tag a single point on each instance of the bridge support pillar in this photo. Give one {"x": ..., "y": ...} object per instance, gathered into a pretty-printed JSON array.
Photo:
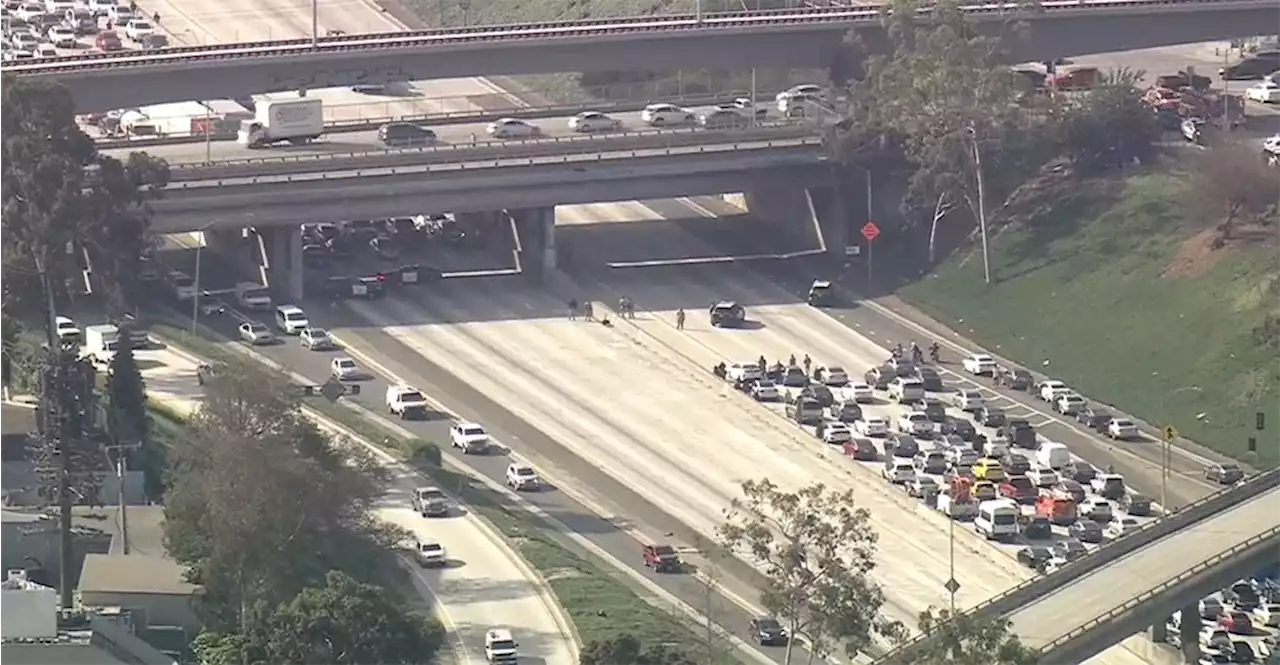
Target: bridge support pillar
[
  {"x": 786, "y": 204},
  {"x": 1189, "y": 632},
  {"x": 237, "y": 248},
  {"x": 284, "y": 268},
  {"x": 536, "y": 232}
]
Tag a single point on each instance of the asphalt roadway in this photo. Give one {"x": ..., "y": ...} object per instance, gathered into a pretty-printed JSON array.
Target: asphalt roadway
[
  {"x": 484, "y": 582},
  {"x": 360, "y": 142},
  {"x": 613, "y": 532}
]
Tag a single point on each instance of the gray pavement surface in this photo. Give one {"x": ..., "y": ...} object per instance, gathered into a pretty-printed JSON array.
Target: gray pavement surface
[{"x": 614, "y": 533}]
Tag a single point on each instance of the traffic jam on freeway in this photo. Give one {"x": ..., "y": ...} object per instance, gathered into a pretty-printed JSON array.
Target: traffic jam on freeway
[{"x": 297, "y": 125}]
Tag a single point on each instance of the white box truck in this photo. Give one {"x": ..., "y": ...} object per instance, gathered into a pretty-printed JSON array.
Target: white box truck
[
  {"x": 296, "y": 120},
  {"x": 101, "y": 342}
]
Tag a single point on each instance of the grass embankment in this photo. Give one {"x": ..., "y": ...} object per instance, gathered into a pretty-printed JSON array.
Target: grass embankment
[
  {"x": 601, "y": 602},
  {"x": 1125, "y": 298}
]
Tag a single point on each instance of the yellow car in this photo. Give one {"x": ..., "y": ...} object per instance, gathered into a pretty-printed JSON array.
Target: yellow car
[
  {"x": 988, "y": 469},
  {"x": 985, "y": 491}
]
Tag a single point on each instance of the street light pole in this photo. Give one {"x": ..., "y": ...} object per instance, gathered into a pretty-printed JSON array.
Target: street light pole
[
  {"x": 1166, "y": 450},
  {"x": 951, "y": 564},
  {"x": 982, "y": 202},
  {"x": 195, "y": 299},
  {"x": 315, "y": 23}
]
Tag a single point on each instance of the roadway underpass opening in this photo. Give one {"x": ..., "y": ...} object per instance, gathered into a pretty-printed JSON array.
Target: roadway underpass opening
[{"x": 781, "y": 223}]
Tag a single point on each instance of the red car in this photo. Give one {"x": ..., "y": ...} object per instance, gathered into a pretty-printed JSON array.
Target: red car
[
  {"x": 661, "y": 558},
  {"x": 1236, "y": 623},
  {"x": 108, "y": 41},
  {"x": 1020, "y": 489}
]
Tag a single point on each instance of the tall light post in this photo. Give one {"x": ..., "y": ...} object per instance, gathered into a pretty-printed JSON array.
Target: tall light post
[
  {"x": 195, "y": 299},
  {"x": 982, "y": 200},
  {"x": 315, "y": 23},
  {"x": 1166, "y": 450}
]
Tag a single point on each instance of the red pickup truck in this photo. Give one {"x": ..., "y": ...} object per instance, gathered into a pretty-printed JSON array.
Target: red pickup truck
[
  {"x": 661, "y": 558},
  {"x": 1020, "y": 489}
]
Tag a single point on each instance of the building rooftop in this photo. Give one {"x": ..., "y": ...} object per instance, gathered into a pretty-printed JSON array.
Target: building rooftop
[
  {"x": 85, "y": 639},
  {"x": 68, "y": 652},
  {"x": 134, "y": 573}
]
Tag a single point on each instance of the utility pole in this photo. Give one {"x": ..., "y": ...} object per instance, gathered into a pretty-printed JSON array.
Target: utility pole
[
  {"x": 122, "y": 451},
  {"x": 63, "y": 423},
  {"x": 315, "y": 23},
  {"x": 982, "y": 203}
]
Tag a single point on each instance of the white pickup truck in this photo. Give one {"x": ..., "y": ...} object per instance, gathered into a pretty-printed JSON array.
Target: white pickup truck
[
  {"x": 406, "y": 402},
  {"x": 470, "y": 438}
]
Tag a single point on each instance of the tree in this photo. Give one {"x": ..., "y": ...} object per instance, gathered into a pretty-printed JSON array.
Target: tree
[
  {"x": 1231, "y": 184},
  {"x": 965, "y": 639},
  {"x": 10, "y": 332},
  {"x": 939, "y": 99},
  {"x": 343, "y": 622},
  {"x": 128, "y": 423},
  {"x": 1107, "y": 126},
  {"x": 625, "y": 649},
  {"x": 263, "y": 504},
  {"x": 816, "y": 550},
  {"x": 59, "y": 194},
  {"x": 126, "y": 396}
]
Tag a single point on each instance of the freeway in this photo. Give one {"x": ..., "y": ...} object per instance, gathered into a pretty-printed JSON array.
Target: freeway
[
  {"x": 1047, "y": 622},
  {"x": 464, "y": 134},
  {"x": 588, "y": 511},
  {"x": 485, "y": 582},
  {"x": 639, "y": 426},
  {"x": 200, "y": 24},
  {"x": 611, "y": 28},
  {"x": 793, "y": 38}
]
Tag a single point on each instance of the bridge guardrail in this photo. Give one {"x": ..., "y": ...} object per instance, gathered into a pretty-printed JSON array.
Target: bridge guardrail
[
  {"x": 1037, "y": 587},
  {"x": 1161, "y": 588},
  {"x": 563, "y": 29},
  {"x": 445, "y": 117},
  {"x": 536, "y": 147},
  {"x": 742, "y": 148}
]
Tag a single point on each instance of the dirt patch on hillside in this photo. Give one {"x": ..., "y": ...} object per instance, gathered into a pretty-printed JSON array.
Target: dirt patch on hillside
[{"x": 1196, "y": 255}]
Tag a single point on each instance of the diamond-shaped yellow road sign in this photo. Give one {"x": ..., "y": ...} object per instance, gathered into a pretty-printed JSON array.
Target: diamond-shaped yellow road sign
[{"x": 1170, "y": 433}]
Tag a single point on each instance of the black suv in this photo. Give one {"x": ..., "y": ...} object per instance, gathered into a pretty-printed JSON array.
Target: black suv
[
  {"x": 727, "y": 315},
  {"x": 1017, "y": 379},
  {"x": 405, "y": 135},
  {"x": 768, "y": 632},
  {"x": 961, "y": 427},
  {"x": 929, "y": 377},
  {"x": 879, "y": 377},
  {"x": 1094, "y": 418}
]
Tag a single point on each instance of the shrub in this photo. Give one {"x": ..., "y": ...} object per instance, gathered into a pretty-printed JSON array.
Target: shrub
[{"x": 424, "y": 452}]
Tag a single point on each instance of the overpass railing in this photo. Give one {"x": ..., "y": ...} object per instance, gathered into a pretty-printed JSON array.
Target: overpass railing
[
  {"x": 1038, "y": 587},
  {"x": 486, "y": 150},
  {"x": 578, "y": 161},
  {"x": 1141, "y": 598},
  {"x": 587, "y": 28}
]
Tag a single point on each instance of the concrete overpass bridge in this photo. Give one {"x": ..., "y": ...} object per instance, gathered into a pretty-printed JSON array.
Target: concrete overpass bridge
[
  {"x": 1141, "y": 580},
  {"x": 783, "y": 171},
  {"x": 781, "y": 38}
]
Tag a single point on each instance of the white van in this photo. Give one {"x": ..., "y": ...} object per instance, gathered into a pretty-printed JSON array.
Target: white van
[
  {"x": 500, "y": 646},
  {"x": 253, "y": 296},
  {"x": 997, "y": 519},
  {"x": 1053, "y": 455},
  {"x": 291, "y": 320}
]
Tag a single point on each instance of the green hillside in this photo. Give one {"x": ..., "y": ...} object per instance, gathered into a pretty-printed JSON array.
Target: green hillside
[{"x": 1128, "y": 299}]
